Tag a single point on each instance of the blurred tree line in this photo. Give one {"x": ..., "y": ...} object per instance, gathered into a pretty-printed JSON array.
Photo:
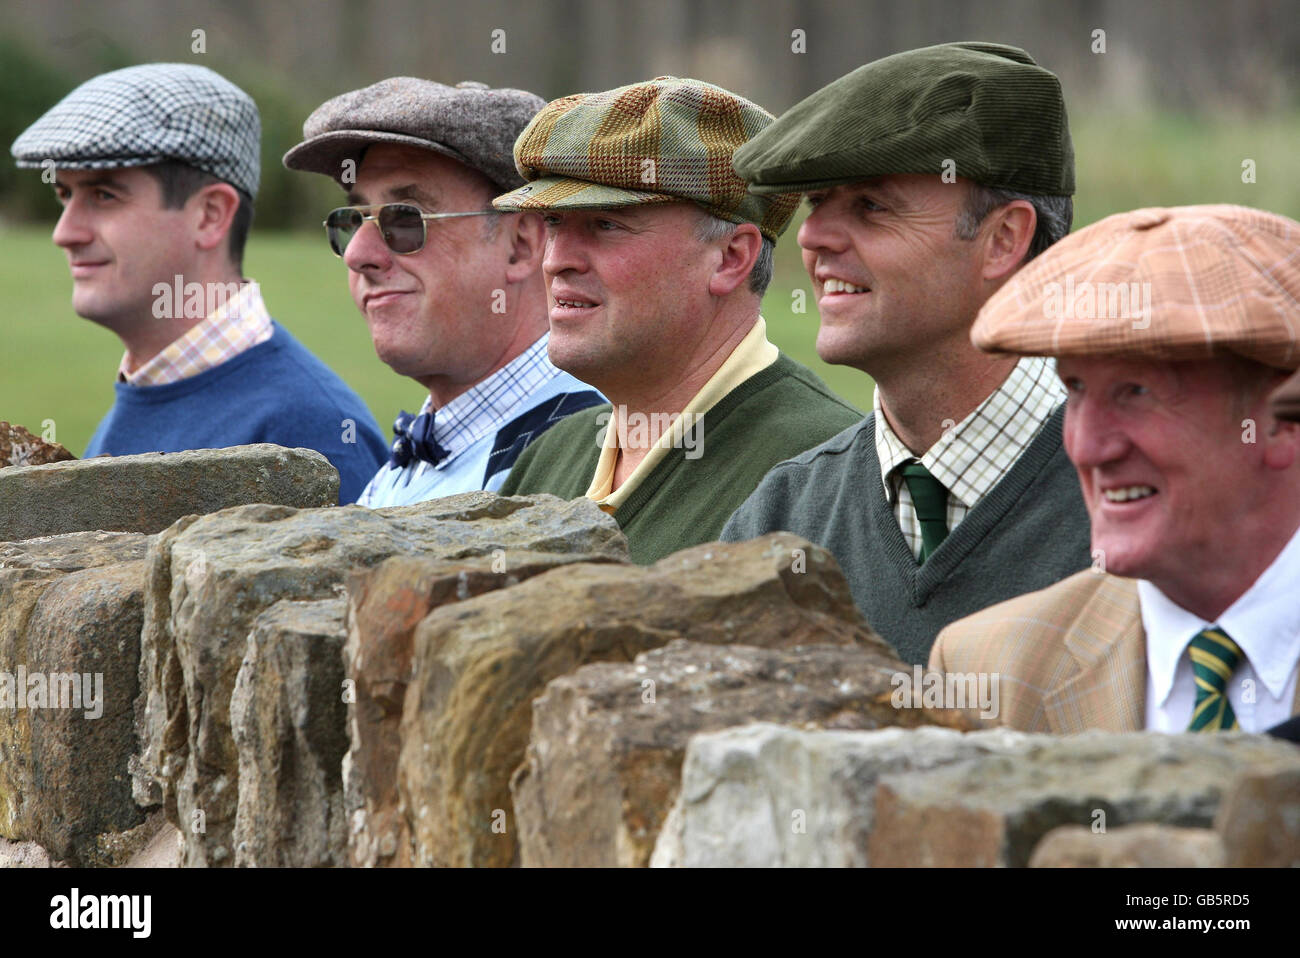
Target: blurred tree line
[{"x": 1159, "y": 58}]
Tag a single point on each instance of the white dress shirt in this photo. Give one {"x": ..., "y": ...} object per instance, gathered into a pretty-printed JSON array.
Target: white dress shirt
[{"x": 1265, "y": 624}]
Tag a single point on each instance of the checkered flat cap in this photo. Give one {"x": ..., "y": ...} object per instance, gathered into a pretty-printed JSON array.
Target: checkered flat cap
[
  {"x": 149, "y": 114},
  {"x": 654, "y": 142},
  {"x": 469, "y": 122},
  {"x": 1188, "y": 282}
]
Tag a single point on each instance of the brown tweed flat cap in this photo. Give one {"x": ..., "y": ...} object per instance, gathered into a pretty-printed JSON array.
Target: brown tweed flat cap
[
  {"x": 659, "y": 141},
  {"x": 1188, "y": 282},
  {"x": 469, "y": 122}
]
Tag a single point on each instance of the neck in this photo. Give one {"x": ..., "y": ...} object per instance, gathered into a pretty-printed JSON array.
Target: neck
[
  {"x": 1217, "y": 584},
  {"x": 940, "y": 390},
  {"x": 150, "y": 334},
  {"x": 443, "y": 389},
  {"x": 645, "y": 409}
]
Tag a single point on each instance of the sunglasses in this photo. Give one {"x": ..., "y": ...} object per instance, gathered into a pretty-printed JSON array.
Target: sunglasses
[{"x": 400, "y": 224}]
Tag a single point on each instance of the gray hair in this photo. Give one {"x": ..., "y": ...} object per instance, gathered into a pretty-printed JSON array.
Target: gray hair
[
  {"x": 710, "y": 228},
  {"x": 1055, "y": 214}
]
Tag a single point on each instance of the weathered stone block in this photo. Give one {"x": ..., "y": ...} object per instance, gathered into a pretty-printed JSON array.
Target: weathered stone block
[
  {"x": 479, "y": 664},
  {"x": 210, "y": 577},
  {"x": 603, "y": 765},
  {"x": 71, "y": 609},
  {"x": 993, "y": 811},
  {"x": 287, "y": 716},
  {"x": 1128, "y": 846},
  {"x": 1259, "y": 821},
  {"x": 767, "y": 795},
  {"x": 385, "y": 605},
  {"x": 18, "y": 447},
  {"x": 148, "y": 492}
]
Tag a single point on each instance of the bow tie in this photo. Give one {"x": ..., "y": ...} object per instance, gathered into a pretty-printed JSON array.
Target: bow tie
[{"x": 413, "y": 439}]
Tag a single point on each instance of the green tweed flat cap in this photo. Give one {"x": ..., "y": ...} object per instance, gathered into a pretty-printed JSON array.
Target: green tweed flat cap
[
  {"x": 990, "y": 109},
  {"x": 655, "y": 142}
]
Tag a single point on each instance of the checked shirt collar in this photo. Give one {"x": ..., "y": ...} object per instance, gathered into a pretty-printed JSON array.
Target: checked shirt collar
[
  {"x": 972, "y": 457},
  {"x": 475, "y": 413}
]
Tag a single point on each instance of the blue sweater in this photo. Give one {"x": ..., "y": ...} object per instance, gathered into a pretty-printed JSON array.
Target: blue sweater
[{"x": 277, "y": 392}]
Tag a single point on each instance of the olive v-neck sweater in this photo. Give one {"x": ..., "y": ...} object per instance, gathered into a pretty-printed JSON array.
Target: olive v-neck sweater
[
  {"x": 1029, "y": 532},
  {"x": 773, "y": 415}
]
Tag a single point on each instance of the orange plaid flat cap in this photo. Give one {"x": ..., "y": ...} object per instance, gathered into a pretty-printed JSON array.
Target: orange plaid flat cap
[
  {"x": 654, "y": 142},
  {"x": 1187, "y": 282}
]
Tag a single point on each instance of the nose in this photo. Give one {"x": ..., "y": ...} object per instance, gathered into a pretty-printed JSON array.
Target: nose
[
  {"x": 1092, "y": 435},
  {"x": 820, "y": 230},
  {"x": 563, "y": 251},
  {"x": 367, "y": 250},
  {"x": 72, "y": 228}
]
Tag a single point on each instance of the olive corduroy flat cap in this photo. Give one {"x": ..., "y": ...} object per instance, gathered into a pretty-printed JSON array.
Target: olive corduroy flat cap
[
  {"x": 147, "y": 114},
  {"x": 469, "y": 122},
  {"x": 659, "y": 141},
  {"x": 989, "y": 108},
  {"x": 1186, "y": 282}
]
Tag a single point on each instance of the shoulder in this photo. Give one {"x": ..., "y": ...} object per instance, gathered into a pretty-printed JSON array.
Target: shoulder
[
  {"x": 561, "y": 456},
  {"x": 1034, "y": 624},
  {"x": 790, "y": 380}
]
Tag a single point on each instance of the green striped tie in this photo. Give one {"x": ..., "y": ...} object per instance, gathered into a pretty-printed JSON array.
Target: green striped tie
[
  {"x": 1214, "y": 658},
  {"x": 930, "y": 499}
]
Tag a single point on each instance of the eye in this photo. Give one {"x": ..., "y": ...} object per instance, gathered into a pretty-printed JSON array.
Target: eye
[
  {"x": 103, "y": 195},
  {"x": 1072, "y": 384},
  {"x": 607, "y": 225},
  {"x": 550, "y": 219},
  {"x": 815, "y": 199},
  {"x": 868, "y": 204}
]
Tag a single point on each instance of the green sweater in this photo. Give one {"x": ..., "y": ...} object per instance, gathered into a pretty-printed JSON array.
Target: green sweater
[
  {"x": 1029, "y": 532},
  {"x": 775, "y": 414}
]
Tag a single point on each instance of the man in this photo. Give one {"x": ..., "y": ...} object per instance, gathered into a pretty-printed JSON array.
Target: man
[
  {"x": 933, "y": 176},
  {"x": 656, "y": 260},
  {"x": 451, "y": 290},
  {"x": 1190, "y": 620},
  {"x": 156, "y": 167}
]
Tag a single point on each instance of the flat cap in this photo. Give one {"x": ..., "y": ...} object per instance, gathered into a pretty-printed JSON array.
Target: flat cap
[
  {"x": 148, "y": 114},
  {"x": 654, "y": 142},
  {"x": 469, "y": 122},
  {"x": 988, "y": 108},
  {"x": 1188, "y": 282},
  {"x": 1286, "y": 400}
]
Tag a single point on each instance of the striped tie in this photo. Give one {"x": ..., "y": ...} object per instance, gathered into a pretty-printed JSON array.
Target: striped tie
[{"x": 1214, "y": 658}]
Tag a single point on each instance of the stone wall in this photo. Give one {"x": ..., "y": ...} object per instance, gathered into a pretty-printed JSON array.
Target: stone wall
[{"x": 488, "y": 681}]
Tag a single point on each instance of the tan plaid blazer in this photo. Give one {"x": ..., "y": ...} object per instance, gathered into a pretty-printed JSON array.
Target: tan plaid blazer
[{"x": 1070, "y": 657}]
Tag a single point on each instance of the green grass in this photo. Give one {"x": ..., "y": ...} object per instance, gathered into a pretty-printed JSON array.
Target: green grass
[{"x": 54, "y": 365}]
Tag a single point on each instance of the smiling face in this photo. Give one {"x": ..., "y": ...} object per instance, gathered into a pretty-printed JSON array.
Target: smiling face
[
  {"x": 430, "y": 313},
  {"x": 889, "y": 274},
  {"x": 628, "y": 289},
  {"x": 1167, "y": 478},
  {"x": 120, "y": 241}
]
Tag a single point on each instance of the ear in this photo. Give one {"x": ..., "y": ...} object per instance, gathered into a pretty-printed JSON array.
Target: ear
[
  {"x": 527, "y": 235},
  {"x": 1008, "y": 232},
  {"x": 215, "y": 206},
  {"x": 738, "y": 257}
]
